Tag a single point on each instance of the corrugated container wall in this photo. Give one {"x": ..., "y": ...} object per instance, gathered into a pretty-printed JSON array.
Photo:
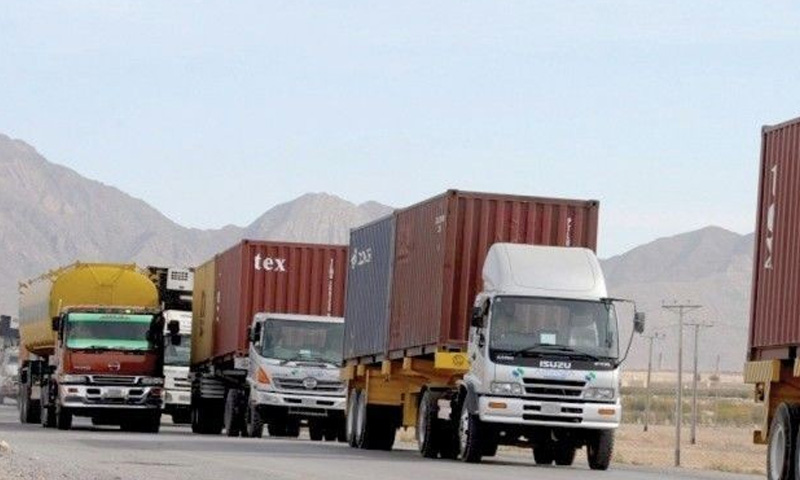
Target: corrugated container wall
[
  {"x": 369, "y": 281},
  {"x": 440, "y": 248},
  {"x": 275, "y": 277},
  {"x": 775, "y": 311}
]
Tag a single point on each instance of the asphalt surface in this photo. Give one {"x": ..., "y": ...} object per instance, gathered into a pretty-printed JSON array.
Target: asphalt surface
[{"x": 106, "y": 453}]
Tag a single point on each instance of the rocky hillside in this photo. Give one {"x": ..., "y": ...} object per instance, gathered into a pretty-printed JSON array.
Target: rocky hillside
[
  {"x": 710, "y": 267},
  {"x": 51, "y": 216}
]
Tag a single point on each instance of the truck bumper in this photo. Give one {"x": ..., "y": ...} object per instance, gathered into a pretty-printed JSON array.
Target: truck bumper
[
  {"x": 94, "y": 397},
  {"x": 301, "y": 405},
  {"x": 176, "y": 399},
  {"x": 534, "y": 413}
]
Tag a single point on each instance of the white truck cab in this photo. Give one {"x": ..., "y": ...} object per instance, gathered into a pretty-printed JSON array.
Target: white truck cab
[
  {"x": 544, "y": 358},
  {"x": 294, "y": 376},
  {"x": 177, "y": 388}
]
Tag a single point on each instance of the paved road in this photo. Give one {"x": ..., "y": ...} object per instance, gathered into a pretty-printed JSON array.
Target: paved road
[{"x": 91, "y": 453}]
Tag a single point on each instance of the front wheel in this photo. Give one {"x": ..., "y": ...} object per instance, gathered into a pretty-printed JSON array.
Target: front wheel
[
  {"x": 316, "y": 431},
  {"x": 63, "y": 418},
  {"x": 253, "y": 422},
  {"x": 543, "y": 454},
  {"x": 600, "y": 449},
  {"x": 232, "y": 418},
  {"x": 781, "y": 450},
  {"x": 350, "y": 419},
  {"x": 469, "y": 436}
]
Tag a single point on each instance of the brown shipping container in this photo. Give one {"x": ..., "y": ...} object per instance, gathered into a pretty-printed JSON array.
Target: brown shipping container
[
  {"x": 440, "y": 248},
  {"x": 775, "y": 304},
  {"x": 275, "y": 277}
]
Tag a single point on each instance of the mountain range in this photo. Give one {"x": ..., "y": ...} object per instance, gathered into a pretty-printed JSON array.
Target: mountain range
[{"x": 50, "y": 215}]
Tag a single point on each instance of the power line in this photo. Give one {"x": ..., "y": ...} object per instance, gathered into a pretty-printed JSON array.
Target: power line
[{"x": 682, "y": 309}]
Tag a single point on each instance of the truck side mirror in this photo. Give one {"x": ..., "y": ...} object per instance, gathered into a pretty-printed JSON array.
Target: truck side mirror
[
  {"x": 174, "y": 327},
  {"x": 477, "y": 317},
  {"x": 55, "y": 323},
  {"x": 255, "y": 333},
  {"x": 638, "y": 322}
]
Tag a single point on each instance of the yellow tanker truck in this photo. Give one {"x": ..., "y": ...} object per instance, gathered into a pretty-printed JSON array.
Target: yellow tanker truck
[{"x": 92, "y": 338}]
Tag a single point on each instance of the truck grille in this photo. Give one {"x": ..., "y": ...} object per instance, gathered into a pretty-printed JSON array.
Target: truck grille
[
  {"x": 113, "y": 380},
  {"x": 554, "y": 389},
  {"x": 566, "y": 415},
  {"x": 294, "y": 384}
]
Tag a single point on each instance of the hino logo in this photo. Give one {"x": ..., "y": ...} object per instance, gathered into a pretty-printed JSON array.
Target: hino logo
[
  {"x": 557, "y": 365},
  {"x": 270, "y": 264}
]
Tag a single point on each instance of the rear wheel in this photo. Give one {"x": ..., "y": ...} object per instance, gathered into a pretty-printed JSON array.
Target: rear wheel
[
  {"x": 375, "y": 425},
  {"x": 428, "y": 435},
  {"x": 600, "y": 449},
  {"x": 782, "y": 447}
]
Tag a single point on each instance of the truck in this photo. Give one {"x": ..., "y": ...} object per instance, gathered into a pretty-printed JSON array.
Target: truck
[
  {"x": 482, "y": 320},
  {"x": 773, "y": 364},
  {"x": 267, "y": 341},
  {"x": 174, "y": 285},
  {"x": 91, "y": 340}
]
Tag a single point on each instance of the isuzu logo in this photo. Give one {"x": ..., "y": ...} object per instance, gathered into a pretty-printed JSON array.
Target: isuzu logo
[
  {"x": 556, "y": 365},
  {"x": 269, "y": 264},
  {"x": 310, "y": 383}
]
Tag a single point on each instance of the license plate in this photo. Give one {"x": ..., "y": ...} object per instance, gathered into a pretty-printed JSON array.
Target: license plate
[
  {"x": 115, "y": 393},
  {"x": 551, "y": 408}
]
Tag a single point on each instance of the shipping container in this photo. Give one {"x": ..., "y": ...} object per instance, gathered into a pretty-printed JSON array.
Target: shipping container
[
  {"x": 775, "y": 310},
  {"x": 369, "y": 281},
  {"x": 258, "y": 276},
  {"x": 439, "y": 249}
]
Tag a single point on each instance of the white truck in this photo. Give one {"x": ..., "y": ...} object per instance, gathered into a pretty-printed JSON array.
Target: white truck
[
  {"x": 177, "y": 387},
  {"x": 541, "y": 368},
  {"x": 294, "y": 376}
]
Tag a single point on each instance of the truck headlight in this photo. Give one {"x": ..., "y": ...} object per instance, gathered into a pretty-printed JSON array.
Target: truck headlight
[
  {"x": 600, "y": 394},
  {"x": 151, "y": 381},
  {"x": 502, "y": 388},
  {"x": 73, "y": 379}
]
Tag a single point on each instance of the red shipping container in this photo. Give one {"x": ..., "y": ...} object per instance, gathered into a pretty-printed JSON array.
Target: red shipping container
[
  {"x": 440, "y": 247},
  {"x": 775, "y": 303},
  {"x": 275, "y": 277}
]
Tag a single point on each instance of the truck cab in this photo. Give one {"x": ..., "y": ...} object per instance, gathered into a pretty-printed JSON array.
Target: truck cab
[
  {"x": 544, "y": 357},
  {"x": 177, "y": 349},
  {"x": 294, "y": 376},
  {"x": 108, "y": 366}
]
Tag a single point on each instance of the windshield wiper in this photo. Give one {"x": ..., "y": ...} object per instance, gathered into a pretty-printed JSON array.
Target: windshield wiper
[{"x": 546, "y": 347}]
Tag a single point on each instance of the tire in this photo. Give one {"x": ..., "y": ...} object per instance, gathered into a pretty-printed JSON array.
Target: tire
[
  {"x": 782, "y": 444},
  {"x": 543, "y": 454},
  {"x": 428, "y": 441},
  {"x": 206, "y": 419},
  {"x": 374, "y": 429},
  {"x": 469, "y": 436},
  {"x": 316, "y": 431},
  {"x": 350, "y": 418},
  {"x": 331, "y": 432},
  {"x": 63, "y": 417},
  {"x": 276, "y": 429},
  {"x": 150, "y": 424},
  {"x": 600, "y": 449},
  {"x": 293, "y": 429},
  {"x": 564, "y": 454},
  {"x": 232, "y": 418},
  {"x": 254, "y": 425}
]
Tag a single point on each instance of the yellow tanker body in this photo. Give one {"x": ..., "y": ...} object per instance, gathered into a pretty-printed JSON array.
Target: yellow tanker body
[{"x": 80, "y": 284}]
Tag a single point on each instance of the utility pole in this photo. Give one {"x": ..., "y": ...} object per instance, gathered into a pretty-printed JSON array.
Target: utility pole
[
  {"x": 652, "y": 338},
  {"x": 697, "y": 327},
  {"x": 682, "y": 309}
]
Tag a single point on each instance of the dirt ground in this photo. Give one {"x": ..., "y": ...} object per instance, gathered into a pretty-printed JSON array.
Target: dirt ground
[{"x": 723, "y": 449}]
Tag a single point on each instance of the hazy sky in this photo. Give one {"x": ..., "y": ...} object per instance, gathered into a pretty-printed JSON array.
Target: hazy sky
[{"x": 216, "y": 111}]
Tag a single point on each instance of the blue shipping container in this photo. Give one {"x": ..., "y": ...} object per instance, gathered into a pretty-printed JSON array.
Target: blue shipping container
[{"x": 369, "y": 282}]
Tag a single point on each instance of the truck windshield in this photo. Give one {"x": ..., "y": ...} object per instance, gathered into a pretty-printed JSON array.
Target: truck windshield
[
  {"x": 177, "y": 355},
  {"x": 108, "y": 331},
  {"x": 292, "y": 340},
  {"x": 547, "y": 325}
]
